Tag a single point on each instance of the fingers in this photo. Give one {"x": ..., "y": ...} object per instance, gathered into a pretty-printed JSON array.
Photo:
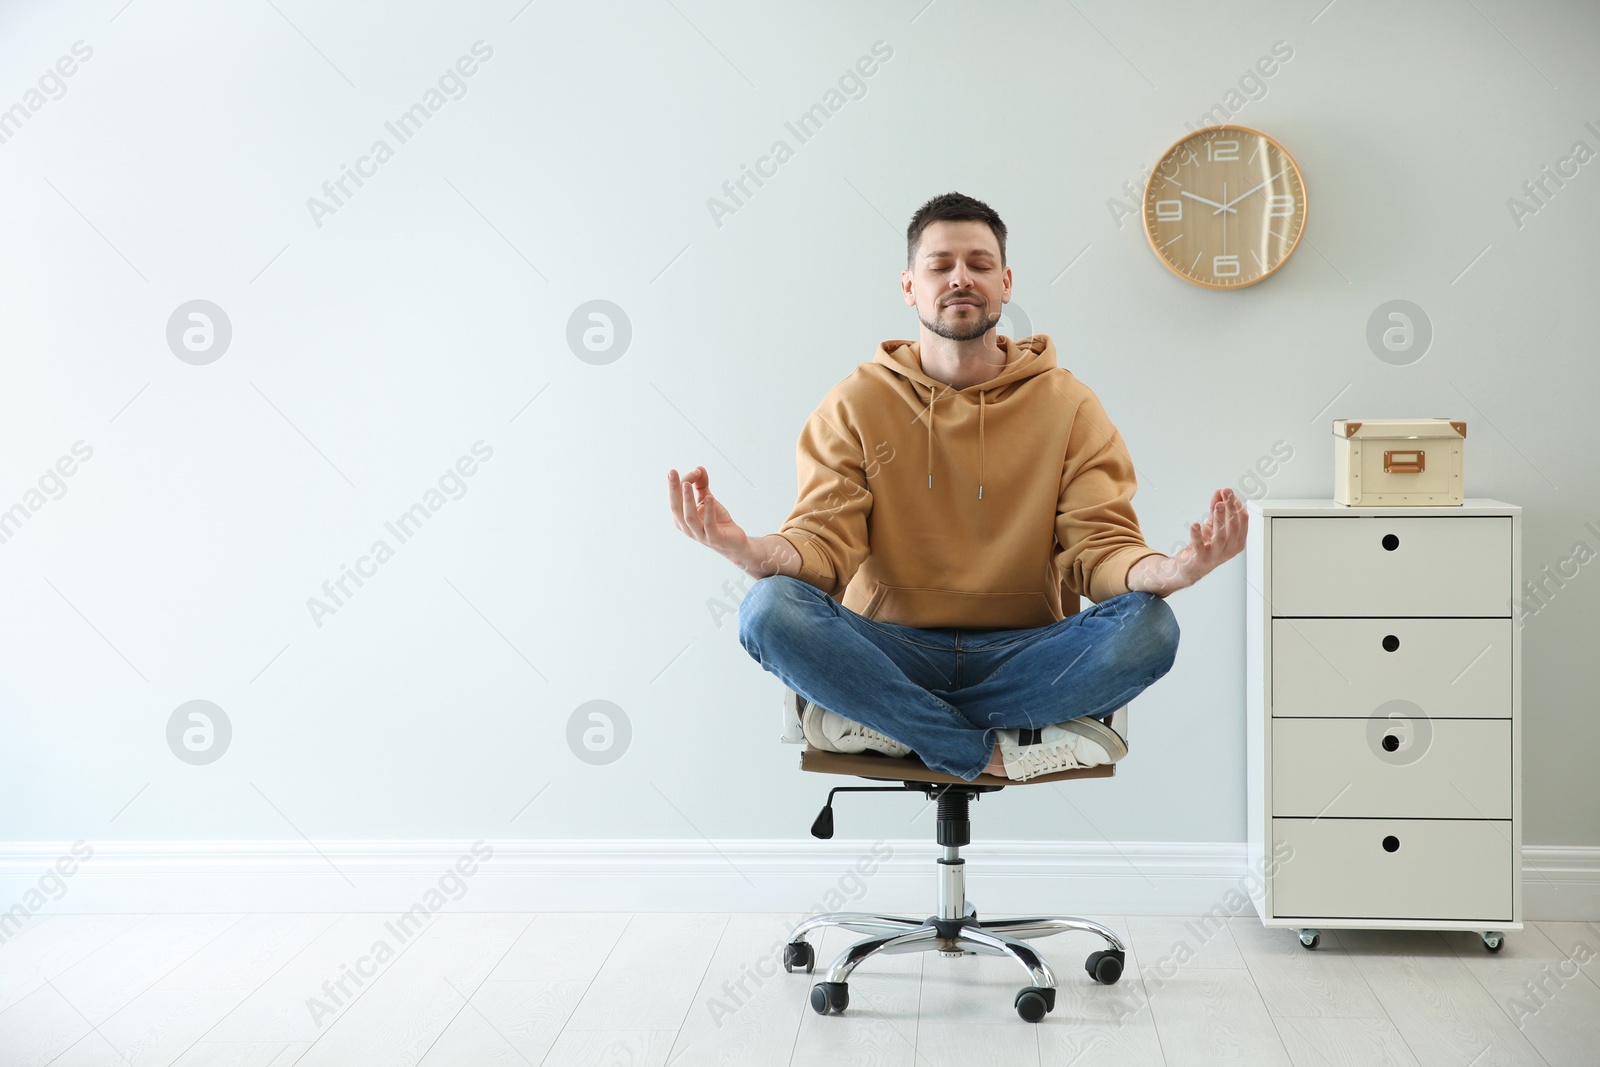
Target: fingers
[
  {"x": 675, "y": 500},
  {"x": 677, "y": 490},
  {"x": 1226, "y": 523},
  {"x": 1233, "y": 514},
  {"x": 706, "y": 507},
  {"x": 685, "y": 512},
  {"x": 691, "y": 512},
  {"x": 680, "y": 493},
  {"x": 1226, "y": 508}
]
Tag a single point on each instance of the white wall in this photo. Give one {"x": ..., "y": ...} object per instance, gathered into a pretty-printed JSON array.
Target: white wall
[{"x": 430, "y": 311}]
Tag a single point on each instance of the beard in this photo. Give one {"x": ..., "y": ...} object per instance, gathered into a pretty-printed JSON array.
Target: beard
[{"x": 955, "y": 329}]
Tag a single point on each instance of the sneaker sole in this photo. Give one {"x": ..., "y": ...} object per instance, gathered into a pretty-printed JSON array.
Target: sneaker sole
[
  {"x": 1099, "y": 733},
  {"x": 815, "y": 737},
  {"x": 791, "y": 712}
]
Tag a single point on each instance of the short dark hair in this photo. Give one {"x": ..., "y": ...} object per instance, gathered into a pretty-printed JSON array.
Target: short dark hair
[{"x": 952, "y": 207}]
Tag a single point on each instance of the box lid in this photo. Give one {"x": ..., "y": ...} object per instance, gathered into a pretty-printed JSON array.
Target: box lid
[{"x": 1399, "y": 428}]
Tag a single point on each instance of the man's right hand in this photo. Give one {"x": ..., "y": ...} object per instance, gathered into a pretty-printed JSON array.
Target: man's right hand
[{"x": 705, "y": 519}]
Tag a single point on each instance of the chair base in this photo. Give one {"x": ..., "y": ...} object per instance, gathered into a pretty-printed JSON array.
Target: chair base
[
  {"x": 963, "y": 936},
  {"x": 955, "y": 929}
]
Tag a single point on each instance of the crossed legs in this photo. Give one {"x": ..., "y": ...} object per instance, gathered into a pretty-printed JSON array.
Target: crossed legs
[{"x": 944, "y": 692}]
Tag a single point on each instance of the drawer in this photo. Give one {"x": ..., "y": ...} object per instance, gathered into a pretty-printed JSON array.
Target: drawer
[
  {"x": 1457, "y": 869},
  {"x": 1377, "y": 565},
  {"x": 1387, "y": 768},
  {"x": 1444, "y": 667}
]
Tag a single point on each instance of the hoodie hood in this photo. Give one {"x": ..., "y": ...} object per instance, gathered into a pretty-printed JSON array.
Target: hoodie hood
[{"x": 1026, "y": 358}]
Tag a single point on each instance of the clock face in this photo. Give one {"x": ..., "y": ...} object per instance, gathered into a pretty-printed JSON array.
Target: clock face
[{"x": 1224, "y": 207}]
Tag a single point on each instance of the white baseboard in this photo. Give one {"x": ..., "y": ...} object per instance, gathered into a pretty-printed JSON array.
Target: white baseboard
[{"x": 1008, "y": 877}]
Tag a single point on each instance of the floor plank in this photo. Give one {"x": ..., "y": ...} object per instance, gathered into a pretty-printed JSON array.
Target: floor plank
[
  {"x": 611, "y": 1048},
  {"x": 1542, "y": 991},
  {"x": 1208, "y": 1016},
  {"x": 949, "y": 1044},
  {"x": 412, "y": 1003},
  {"x": 1296, "y": 981},
  {"x": 1093, "y": 1023},
  {"x": 1168, "y": 942},
  {"x": 507, "y": 1023},
  {"x": 107, "y": 979},
  {"x": 247, "y": 953},
  {"x": 38, "y": 1028},
  {"x": 51, "y": 944},
  {"x": 242, "y": 1054},
  {"x": 1579, "y": 941},
  {"x": 1444, "y": 1014},
  {"x": 879, "y": 1028},
  {"x": 300, "y": 999},
  {"x": 153, "y": 1029},
  {"x": 566, "y": 947},
  {"x": 648, "y": 980},
  {"x": 1323, "y": 1040},
  {"x": 603, "y": 989},
  {"x": 743, "y": 1010}
]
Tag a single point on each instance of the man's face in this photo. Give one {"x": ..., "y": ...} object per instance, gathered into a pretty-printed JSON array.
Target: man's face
[{"x": 956, "y": 282}]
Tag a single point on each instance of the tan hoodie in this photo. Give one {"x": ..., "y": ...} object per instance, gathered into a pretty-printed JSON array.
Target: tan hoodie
[{"x": 991, "y": 507}]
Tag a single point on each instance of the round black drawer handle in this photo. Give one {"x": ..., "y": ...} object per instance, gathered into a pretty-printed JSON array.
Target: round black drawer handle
[
  {"x": 1391, "y": 844},
  {"x": 1390, "y": 643},
  {"x": 1390, "y": 743},
  {"x": 1390, "y": 542}
]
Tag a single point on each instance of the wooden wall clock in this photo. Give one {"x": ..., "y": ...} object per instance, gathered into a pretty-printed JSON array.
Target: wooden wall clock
[{"x": 1224, "y": 207}]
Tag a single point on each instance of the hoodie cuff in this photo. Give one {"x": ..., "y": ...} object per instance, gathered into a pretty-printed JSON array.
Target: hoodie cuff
[
  {"x": 1111, "y": 577},
  {"x": 815, "y": 566}
]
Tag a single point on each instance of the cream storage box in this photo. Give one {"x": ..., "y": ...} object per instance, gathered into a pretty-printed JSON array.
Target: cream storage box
[{"x": 1397, "y": 462}]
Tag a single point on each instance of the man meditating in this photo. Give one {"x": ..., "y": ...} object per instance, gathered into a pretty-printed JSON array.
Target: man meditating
[{"x": 957, "y": 495}]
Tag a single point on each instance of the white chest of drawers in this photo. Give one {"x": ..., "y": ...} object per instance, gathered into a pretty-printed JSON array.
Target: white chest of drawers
[{"x": 1384, "y": 723}]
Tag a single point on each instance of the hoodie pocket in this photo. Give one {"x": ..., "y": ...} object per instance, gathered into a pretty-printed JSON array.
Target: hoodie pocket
[
  {"x": 927, "y": 607},
  {"x": 870, "y": 609}
]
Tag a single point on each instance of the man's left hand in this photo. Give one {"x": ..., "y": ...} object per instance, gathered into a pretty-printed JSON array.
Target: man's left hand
[
  {"x": 1211, "y": 543},
  {"x": 1215, "y": 541}
]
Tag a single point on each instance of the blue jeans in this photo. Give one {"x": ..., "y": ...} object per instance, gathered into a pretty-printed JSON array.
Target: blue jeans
[{"x": 943, "y": 692}]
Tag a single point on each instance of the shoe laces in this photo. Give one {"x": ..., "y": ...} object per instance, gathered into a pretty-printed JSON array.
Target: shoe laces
[
  {"x": 867, "y": 731},
  {"x": 858, "y": 730},
  {"x": 1035, "y": 760}
]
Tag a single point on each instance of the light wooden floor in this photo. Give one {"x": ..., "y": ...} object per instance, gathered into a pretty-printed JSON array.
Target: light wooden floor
[{"x": 561, "y": 990}]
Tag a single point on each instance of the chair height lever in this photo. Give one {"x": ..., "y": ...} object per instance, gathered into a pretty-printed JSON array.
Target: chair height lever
[{"x": 822, "y": 828}]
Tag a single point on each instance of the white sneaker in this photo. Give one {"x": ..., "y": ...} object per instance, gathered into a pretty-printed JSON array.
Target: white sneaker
[
  {"x": 832, "y": 732},
  {"x": 792, "y": 731},
  {"x": 1065, "y": 746}
]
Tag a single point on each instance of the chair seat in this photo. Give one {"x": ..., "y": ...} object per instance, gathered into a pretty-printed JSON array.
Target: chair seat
[{"x": 911, "y": 769}]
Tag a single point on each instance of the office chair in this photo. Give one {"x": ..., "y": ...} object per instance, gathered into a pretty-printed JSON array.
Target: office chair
[{"x": 955, "y": 929}]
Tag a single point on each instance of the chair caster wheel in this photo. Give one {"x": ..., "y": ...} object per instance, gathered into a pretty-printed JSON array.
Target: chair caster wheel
[
  {"x": 1311, "y": 938},
  {"x": 798, "y": 954},
  {"x": 1035, "y": 1002},
  {"x": 830, "y": 998},
  {"x": 1105, "y": 966},
  {"x": 1493, "y": 940}
]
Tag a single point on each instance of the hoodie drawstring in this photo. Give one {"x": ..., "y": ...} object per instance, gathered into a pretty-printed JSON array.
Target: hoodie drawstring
[{"x": 931, "y": 399}]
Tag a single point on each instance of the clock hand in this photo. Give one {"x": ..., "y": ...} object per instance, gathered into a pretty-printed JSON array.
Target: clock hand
[
  {"x": 1212, "y": 203},
  {"x": 1241, "y": 196}
]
